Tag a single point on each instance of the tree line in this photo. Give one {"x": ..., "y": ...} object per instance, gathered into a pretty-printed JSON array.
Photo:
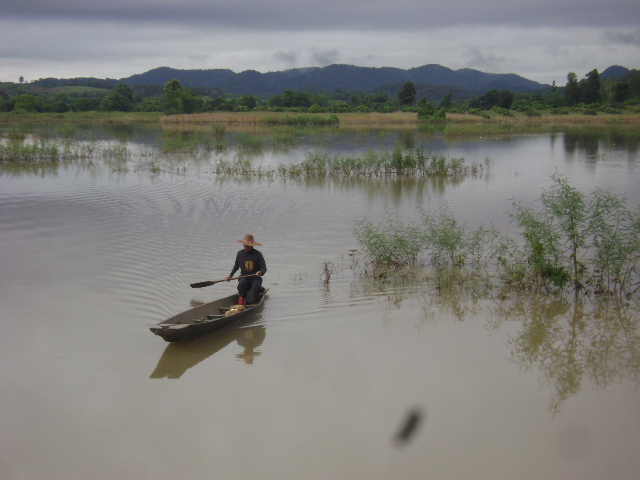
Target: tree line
[{"x": 590, "y": 94}]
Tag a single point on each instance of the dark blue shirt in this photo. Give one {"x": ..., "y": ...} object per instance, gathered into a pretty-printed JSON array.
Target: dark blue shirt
[{"x": 249, "y": 263}]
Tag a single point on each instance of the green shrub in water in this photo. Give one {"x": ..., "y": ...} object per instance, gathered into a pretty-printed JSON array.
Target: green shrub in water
[
  {"x": 569, "y": 239},
  {"x": 583, "y": 240},
  {"x": 451, "y": 244},
  {"x": 390, "y": 243}
]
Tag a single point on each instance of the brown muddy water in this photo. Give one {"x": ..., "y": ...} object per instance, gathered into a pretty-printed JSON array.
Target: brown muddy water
[{"x": 349, "y": 380}]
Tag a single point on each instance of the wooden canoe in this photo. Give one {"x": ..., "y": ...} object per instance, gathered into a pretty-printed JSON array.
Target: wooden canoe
[{"x": 204, "y": 319}]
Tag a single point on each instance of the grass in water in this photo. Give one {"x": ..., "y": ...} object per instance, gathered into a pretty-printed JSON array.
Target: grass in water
[
  {"x": 22, "y": 150},
  {"x": 371, "y": 164}
]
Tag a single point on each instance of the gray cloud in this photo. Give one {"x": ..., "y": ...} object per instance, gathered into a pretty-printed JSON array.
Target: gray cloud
[
  {"x": 629, "y": 37},
  {"x": 356, "y": 14},
  {"x": 483, "y": 60},
  {"x": 289, "y": 58},
  {"x": 539, "y": 39},
  {"x": 324, "y": 57}
]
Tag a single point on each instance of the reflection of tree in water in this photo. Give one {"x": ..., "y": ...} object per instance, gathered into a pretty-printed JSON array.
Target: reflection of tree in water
[
  {"x": 581, "y": 142},
  {"x": 570, "y": 341},
  {"x": 589, "y": 141},
  {"x": 450, "y": 301},
  {"x": 438, "y": 299}
]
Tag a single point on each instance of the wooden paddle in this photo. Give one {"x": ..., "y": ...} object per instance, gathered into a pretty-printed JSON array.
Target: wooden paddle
[{"x": 211, "y": 282}]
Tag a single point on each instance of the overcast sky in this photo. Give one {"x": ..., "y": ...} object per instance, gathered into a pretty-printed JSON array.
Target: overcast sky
[{"x": 541, "y": 40}]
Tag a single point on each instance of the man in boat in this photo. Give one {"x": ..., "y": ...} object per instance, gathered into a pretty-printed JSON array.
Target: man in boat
[{"x": 250, "y": 262}]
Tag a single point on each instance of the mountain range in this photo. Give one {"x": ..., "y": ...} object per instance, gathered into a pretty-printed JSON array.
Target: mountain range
[
  {"x": 431, "y": 81},
  {"x": 465, "y": 82}
]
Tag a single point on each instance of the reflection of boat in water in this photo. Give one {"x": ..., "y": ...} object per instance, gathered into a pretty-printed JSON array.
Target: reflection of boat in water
[
  {"x": 178, "y": 357},
  {"x": 204, "y": 319}
]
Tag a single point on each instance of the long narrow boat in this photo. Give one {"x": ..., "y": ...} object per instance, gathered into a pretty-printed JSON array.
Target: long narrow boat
[{"x": 204, "y": 319}]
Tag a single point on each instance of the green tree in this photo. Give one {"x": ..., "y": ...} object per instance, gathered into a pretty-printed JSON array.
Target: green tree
[
  {"x": 447, "y": 101},
  {"x": 172, "y": 89},
  {"x": 228, "y": 105},
  {"x": 495, "y": 98},
  {"x": 171, "y": 104},
  {"x": 150, "y": 104},
  {"x": 125, "y": 90},
  {"x": 428, "y": 111},
  {"x": 121, "y": 100},
  {"x": 590, "y": 87},
  {"x": 84, "y": 104},
  {"x": 190, "y": 101},
  {"x": 380, "y": 98},
  {"x": 177, "y": 100},
  {"x": 291, "y": 99},
  {"x": 5, "y": 103},
  {"x": 633, "y": 79},
  {"x": 248, "y": 101},
  {"x": 213, "y": 104},
  {"x": 616, "y": 91},
  {"x": 572, "y": 90},
  {"x": 340, "y": 107},
  {"x": 61, "y": 103},
  {"x": 505, "y": 99},
  {"x": 25, "y": 102},
  {"x": 407, "y": 94}
]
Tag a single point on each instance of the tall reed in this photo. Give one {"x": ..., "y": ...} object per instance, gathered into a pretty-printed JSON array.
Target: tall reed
[
  {"x": 374, "y": 164},
  {"x": 48, "y": 150}
]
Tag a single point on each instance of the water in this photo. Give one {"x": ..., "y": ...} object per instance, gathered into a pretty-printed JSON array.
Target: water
[{"x": 322, "y": 381}]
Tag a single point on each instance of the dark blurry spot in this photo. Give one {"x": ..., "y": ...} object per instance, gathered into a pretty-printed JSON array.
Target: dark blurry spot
[{"x": 410, "y": 426}]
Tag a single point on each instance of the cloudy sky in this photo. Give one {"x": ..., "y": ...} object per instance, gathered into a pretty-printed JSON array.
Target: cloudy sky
[{"x": 541, "y": 40}]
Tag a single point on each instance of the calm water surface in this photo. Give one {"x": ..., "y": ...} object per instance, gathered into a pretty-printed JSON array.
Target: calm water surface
[{"x": 345, "y": 381}]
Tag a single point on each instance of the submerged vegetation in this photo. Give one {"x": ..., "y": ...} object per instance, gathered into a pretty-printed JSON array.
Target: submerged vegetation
[
  {"x": 53, "y": 150},
  {"x": 371, "y": 164},
  {"x": 589, "y": 242},
  {"x": 569, "y": 242},
  {"x": 22, "y": 148}
]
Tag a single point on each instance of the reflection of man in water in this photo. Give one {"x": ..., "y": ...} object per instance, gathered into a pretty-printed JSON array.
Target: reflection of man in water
[{"x": 250, "y": 338}]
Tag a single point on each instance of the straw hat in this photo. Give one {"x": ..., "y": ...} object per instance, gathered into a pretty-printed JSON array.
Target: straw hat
[{"x": 248, "y": 240}]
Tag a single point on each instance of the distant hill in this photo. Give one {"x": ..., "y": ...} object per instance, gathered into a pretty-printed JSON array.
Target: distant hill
[
  {"x": 615, "y": 72},
  {"x": 432, "y": 81},
  {"x": 431, "y": 78}
]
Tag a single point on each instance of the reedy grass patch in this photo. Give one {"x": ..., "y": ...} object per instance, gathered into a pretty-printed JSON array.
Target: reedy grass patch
[
  {"x": 250, "y": 118},
  {"x": 81, "y": 118},
  {"x": 397, "y": 163},
  {"x": 47, "y": 150},
  {"x": 18, "y": 150}
]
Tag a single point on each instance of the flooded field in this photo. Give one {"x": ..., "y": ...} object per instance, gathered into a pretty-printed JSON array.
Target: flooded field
[{"x": 341, "y": 379}]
